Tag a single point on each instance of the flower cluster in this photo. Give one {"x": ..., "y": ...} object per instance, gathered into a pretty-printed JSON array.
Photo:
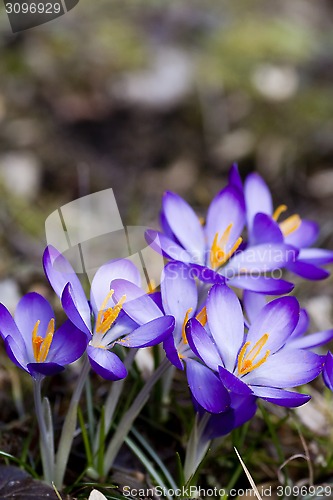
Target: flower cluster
[{"x": 234, "y": 348}]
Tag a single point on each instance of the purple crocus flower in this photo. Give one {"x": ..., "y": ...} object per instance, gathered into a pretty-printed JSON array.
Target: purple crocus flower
[
  {"x": 32, "y": 342},
  {"x": 103, "y": 321},
  {"x": 179, "y": 298},
  {"x": 253, "y": 304},
  {"x": 258, "y": 362},
  {"x": 215, "y": 251},
  {"x": 263, "y": 227}
]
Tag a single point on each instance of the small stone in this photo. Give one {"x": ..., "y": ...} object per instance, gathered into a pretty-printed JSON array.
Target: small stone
[
  {"x": 320, "y": 310},
  {"x": 22, "y": 132},
  {"x": 21, "y": 174},
  {"x": 276, "y": 83},
  {"x": 236, "y": 145},
  {"x": 163, "y": 85},
  {"x": 321, "y": 184}
]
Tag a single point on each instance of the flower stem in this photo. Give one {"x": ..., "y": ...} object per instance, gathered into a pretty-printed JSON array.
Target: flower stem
[
  {"x": 68, "y": 430},
  {"x": 128, "y": 418},
  {"x": 196, "y": 447},
  {"x": 46, "y": 445},
  {"x": 112, "y": 401}
]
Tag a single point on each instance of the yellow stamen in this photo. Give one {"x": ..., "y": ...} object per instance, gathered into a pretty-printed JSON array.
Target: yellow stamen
[
  {"x": 218, "y": 254},
  {"x": 40, "y": 345},
  {"x": 290, "y": 225},
  {"x": 45, "y": 347},
  {"x": 106, "y": 317},
  {"x": 278, "y": 211},
  {"x": 37, "y": 340},
  {"x": 233, "y": 249},
  {"x": 202, "y": 316},
  {"x": 151, "y": 286},
  {"x": 184, "y": 324},
  {"x": 245, "y": 361}
]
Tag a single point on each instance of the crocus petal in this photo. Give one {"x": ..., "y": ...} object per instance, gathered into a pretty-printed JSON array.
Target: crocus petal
[
  {"x": 226, "y": 322},
  {"x": 245, "y": 407},
  {"x": 172, "y": 352},
  {"x": 305, "y": 235},
  {"x": 265, "y": 230},
  {"x": 262, "y": 284},
  {"x": 258, "y": 198},
  {"x": 241, "y": 410},
  {"x": 7, "y": 324},
  {"x": 260, "y": 259},
  {"x": 114, "y": 269},
  {"x": 302, "y": 325},
  {"x": 253, "y": 303},
  {"x": 206, "y": 387},
  {"x": 16, "y": 352},
  {"x": 68, "y": 344},
  {"x": 328, "y": 371},
  {"x": 179, "y": 292},
  {"x": 226, "y": 208},
  {"x": 219, "y": 424},
  {"x": 234, "y": 178},
  {"x": 278, "y": 319},
  {"x": 287, "y": 368},
  {"x": 59, "y": 272},
  {"x": 233, "y": 383},
  {"x": 157, "y": 298},
  {"x": 202, "y": 345},
  {"x": 138, "y": 305},
  {"x": 69, "y": 304},
  {"x": 281, "y": 397},
  {"x": 32, "y": 308},
  {"x": 307, "y": 270},
  {"x": 185, "y": 225},
  {"x": 167, "y": 229},
  {"x": 44, "y": 369},
  {"x": 106, "y": 363},
  {"x": 316, "y": 256},
  {"x": 149, "y": 334},
  {"x": 166, "y": 247},
  {"x": 205, "y": 274},
  {"x": 312, "y": 340}
]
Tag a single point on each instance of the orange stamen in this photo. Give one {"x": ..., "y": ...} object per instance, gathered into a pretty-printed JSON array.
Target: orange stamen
[
  {"x": 151, "y": 286},
  {"x": 184, "y": 324},
  {"x": 218, "y": 254},
  {"x": 245, "y": 361},
  {"x": 40, "y": 345},
  {"x": 278, "y": 211},
  {"x": 106, "y": 317},
  {"x": 290, "y": 224},
  {"x": 202, "y": 316}
]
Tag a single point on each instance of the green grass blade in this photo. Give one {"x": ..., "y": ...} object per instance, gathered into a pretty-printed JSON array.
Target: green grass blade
[
  {"x": 155, "y": 458},
  {"x": 148, "y": 465}
]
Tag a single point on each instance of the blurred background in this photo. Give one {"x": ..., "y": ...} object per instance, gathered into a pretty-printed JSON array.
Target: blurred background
[{"x": 143, "y": 96}]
